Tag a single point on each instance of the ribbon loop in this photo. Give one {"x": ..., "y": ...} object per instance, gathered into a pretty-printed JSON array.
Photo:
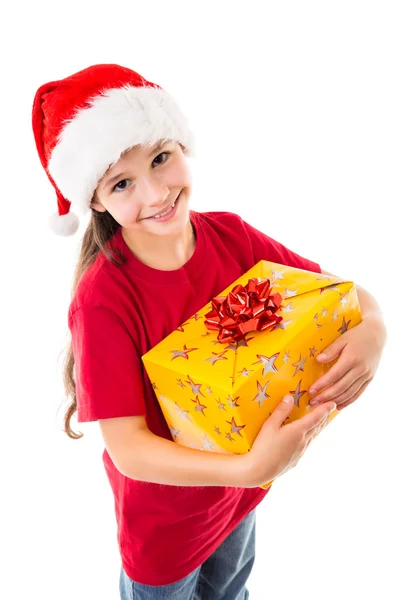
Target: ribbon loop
[{"x": 246, "y": 308}]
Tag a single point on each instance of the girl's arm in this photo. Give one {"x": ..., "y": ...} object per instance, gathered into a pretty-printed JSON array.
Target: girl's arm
[{"x": 139, "y": 454}]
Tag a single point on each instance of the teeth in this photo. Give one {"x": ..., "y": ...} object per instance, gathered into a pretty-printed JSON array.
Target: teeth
[{"x": 165, "y": 211}]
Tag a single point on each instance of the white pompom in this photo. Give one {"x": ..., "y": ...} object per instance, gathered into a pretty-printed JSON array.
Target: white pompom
[{"x": 64, "y": 224}]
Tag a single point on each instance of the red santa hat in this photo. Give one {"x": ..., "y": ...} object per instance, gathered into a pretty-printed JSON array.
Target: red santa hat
[{"x": 83, "y": 123}]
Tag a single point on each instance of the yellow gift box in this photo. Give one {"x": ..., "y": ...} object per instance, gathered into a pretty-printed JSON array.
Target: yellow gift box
[{"x": 216, "y": 395}]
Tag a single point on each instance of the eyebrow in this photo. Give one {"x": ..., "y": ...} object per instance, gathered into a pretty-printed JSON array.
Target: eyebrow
[{"x": 112, "y": 179}]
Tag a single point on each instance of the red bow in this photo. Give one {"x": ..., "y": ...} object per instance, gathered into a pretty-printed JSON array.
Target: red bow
[{"x": 244, "y": 309}]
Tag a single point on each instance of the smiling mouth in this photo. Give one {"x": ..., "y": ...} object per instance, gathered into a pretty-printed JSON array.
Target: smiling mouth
[{"x": 164, "y": 212}]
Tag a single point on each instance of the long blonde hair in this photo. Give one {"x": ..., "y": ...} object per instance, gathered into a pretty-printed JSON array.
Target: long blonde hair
[{"x": 102, "y": 226}]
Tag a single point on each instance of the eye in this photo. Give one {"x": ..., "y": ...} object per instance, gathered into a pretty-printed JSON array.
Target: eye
[
  {"x": 118, "y": 189},
  {"x": 162, "y": 153},
  {"x": 115, "y": 188}
]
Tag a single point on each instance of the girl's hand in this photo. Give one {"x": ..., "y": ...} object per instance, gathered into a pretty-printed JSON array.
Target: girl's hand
[
  {"x": 359, "y": 351},
  {"x": 279, "y": 447}
]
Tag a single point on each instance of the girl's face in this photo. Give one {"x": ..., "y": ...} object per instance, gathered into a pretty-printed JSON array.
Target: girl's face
[{"x": 144, "y": 182}]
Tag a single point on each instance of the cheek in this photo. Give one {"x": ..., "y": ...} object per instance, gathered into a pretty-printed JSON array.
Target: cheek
[{"x": 126, "y": 214}]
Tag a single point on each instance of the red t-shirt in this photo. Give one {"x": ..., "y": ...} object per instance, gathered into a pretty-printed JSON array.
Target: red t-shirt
[{"x": 119, "y": 313}]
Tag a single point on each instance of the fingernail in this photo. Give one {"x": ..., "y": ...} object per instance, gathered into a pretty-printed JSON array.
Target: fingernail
[
  {"x": 313, "y": 402},
  {"x": 287, "y": 398},
  {"x": 312, "y": 391}
]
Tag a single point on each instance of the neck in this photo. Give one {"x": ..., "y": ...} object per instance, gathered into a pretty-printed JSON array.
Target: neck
[{"x": 167, "y": 253}]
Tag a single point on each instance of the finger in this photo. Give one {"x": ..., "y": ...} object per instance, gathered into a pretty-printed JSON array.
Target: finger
[
  {"x": 337, "y": 372},
  {"x": 281, "y": 412},
  {"x": 317, "y": 429},
  {"x": 314, "y": 417},
  {"x": 310, "y": 437},
  {"x": 357, "y": 395},
  {"x": 350, "y": 391},
  {"x": 341, "y": 387},
  {"x": 334, "y": 350},
  {"x": 320, "y": 417}
]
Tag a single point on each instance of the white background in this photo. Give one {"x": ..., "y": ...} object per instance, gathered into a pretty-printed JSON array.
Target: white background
[{"x": 295, "y": 108}]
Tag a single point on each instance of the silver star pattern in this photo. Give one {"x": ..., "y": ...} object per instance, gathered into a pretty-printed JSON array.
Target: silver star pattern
[
  {"x": 217, "y": 356},
  {"x": 261, "y": 395},
  {"x": 184, "y": 414},
  {"x": 297, "y": 394},
  {"x": 207, "y": 443},
  {"x": 345, "y": 326},
  {"x": 290, "y": 293},
  {"x": 199, "y": 407},
  {"x": 268, "y": 363},
  {"x": 233, "y": 401},
  {"x": 221, "y": 405},
  {"x": 299, "y": 365},
  {"x": 245, "y": 342},
  {"x": 343, "y": 299},
  {"x": 316, "y": 321},
  {"x": 195, "y": 387},
  {"x": 235, "y": 428},
  {"x": 245, "y": 372},
  {"x": 287, "y": 307},
  {"x": 182, "y": 353},
  {"x": 175, "y": 432},
  {"x": 231, "y": 347},
  {"x": 275, "y": 276},
  {"x": 180, "y": 328},
  {"x": 282, "y": 324}
]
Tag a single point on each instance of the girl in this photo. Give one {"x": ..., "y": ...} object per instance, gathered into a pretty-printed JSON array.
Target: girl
[{"x": 116, "y": 144}]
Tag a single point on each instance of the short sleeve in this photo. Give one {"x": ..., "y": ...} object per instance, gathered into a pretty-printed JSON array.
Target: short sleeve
[
  {"x": 266, "y": 248},
  {"x": 108, "y": 368}
]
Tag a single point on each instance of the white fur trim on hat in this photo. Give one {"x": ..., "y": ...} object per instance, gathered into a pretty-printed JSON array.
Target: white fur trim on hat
[
  {"x": 114, "y": 121},
  {"x": 64, "y": 224}
]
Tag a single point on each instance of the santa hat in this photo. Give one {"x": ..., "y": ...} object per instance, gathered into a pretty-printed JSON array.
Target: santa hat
[{"x": 83, "y": 123}]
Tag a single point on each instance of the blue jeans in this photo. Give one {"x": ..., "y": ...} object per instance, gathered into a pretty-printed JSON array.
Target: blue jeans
[{"x": 222, "y": 576}]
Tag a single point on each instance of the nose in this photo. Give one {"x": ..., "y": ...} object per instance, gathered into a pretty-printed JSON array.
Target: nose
[{"x": 152, "y": 193}]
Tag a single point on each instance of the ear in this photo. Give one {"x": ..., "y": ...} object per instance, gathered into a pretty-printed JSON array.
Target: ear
[{"x": 97, "y": 206}]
